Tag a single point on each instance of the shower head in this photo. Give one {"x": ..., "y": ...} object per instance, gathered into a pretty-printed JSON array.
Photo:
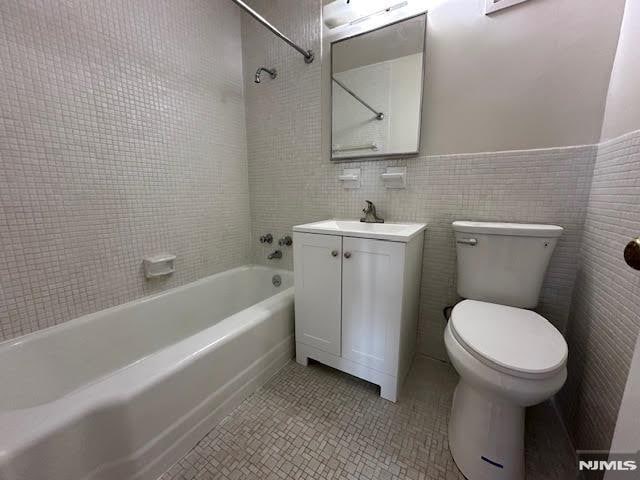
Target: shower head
[{"x": 273, "y": 73}]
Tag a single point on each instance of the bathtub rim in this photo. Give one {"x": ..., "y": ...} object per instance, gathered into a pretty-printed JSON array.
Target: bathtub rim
[{"x": 87, "y": 317}]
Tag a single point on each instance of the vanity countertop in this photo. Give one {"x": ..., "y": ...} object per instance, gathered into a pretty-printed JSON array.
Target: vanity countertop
[{"x": 395, "y": 232}]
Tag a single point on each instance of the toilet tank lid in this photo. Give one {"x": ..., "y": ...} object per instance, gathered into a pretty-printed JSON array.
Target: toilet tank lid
[{"x": 516, "y": 229}]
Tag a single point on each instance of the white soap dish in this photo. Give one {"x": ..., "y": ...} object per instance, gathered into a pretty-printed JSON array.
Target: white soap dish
[
  {"x": 395, "y": 177},
  {"x": 350, "y": 178},
  {"x": 159, "y": 265}
]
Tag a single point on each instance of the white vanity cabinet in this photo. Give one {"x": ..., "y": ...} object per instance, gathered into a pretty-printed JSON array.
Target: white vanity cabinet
[{"x": 356, "y": 298}]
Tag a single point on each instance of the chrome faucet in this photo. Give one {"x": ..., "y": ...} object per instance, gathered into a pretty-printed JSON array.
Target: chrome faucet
[
  {"x": 370, "y": 215},
  {"x": 276, "y": 254}
]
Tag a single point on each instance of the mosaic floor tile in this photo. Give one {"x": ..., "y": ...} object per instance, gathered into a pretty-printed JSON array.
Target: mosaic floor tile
[{"x": 318, "y": 423}]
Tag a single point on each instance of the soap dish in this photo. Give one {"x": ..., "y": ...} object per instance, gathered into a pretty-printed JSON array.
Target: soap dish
[
  {"x": 395, "y": 177},
  {"x": 159, "y": 265}
]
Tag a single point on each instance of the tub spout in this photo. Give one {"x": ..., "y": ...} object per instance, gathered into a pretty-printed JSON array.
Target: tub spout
[{"x": 276, "y": 254}]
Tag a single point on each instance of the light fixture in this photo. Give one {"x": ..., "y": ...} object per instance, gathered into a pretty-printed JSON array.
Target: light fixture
[
  {"x": 351, "y": 12},
  {"x": 379, "y": 12}
]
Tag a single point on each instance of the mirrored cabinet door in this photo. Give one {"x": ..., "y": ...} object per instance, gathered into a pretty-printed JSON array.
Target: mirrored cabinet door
[{"x": 376, "y": 91}]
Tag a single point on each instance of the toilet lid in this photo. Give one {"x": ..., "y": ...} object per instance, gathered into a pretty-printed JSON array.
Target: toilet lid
[{"x": 518, "y": 340}]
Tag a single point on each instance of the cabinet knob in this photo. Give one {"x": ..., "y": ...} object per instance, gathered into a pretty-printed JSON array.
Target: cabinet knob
[
  {"x": 347, "y": 254},
  {"x": 334, "y": 253}
]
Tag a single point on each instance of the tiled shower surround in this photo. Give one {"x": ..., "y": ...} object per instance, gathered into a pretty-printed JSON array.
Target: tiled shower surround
[
  {"x": 605, "y": 316},
  {"x": 122, "y": 134},
  {"x": 292, "y": 183}
]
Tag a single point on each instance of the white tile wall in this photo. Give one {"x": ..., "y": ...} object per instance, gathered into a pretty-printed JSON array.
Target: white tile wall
[
  {"x": 287, "y": 178},
  {"x": 122, "y": 134},
  {"x": 605, "y": 315},
  {"x": 291, "y": 183}
]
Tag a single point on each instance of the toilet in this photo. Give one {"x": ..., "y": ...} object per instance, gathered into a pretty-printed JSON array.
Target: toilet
[{"x": 508, "y": 357}]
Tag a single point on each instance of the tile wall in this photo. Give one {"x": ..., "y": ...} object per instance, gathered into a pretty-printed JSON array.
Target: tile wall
[
  {"x": 605, "y": 315},
  {"x": 122, "y": 134}
]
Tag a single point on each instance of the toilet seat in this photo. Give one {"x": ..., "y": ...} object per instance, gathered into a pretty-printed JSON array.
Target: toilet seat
[{"x": 512, "y": 340}]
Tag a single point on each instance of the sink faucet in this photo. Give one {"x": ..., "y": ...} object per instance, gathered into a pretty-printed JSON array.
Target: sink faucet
[
  {"x": 370, "y": 214},
  {"x": 276, "y": 254}
]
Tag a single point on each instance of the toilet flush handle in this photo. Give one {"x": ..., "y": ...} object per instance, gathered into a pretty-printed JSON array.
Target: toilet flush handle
[{"x": 468, "y": 241}]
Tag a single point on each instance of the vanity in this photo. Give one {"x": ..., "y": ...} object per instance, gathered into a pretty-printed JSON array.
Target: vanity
[{"x": 357, "y": 289}]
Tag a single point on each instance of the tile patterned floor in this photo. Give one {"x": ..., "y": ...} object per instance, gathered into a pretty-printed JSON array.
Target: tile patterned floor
[{"x": 317, "y": 423}]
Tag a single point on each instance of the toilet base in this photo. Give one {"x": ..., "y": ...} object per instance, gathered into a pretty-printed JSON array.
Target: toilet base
[{"x": 486, "y": 435}]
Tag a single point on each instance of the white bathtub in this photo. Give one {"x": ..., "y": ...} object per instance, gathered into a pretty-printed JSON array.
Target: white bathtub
[{"x": 125, "y": 392}]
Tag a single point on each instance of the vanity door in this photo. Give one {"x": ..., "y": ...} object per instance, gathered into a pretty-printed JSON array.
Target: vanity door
[
  {"x": 317, "y": 270},
  {"x": 372, "y": 302}
]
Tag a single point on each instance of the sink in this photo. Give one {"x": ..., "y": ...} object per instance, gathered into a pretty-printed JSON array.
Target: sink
[{"x": 395, "y": 232}]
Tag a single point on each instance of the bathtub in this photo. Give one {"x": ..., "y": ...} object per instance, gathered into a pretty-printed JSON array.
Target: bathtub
[{"x": 126, "y": 392}]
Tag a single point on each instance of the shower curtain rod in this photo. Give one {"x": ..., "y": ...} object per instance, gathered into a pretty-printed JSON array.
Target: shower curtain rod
[
  {"x": 308, "y": 54},
  {"x": 379, "y": 115}
]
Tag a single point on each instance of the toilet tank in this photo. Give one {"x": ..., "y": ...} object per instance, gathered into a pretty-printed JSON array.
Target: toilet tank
[{"x": 503, "y": 263}]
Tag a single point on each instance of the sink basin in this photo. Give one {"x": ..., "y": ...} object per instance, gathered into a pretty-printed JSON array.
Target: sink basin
[{"x": 395, "y": 232}]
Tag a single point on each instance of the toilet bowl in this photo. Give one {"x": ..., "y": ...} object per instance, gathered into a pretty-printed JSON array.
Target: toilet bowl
[{"x": 508, "y": 359}]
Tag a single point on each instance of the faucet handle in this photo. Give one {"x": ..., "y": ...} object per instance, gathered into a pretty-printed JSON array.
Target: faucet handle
[
  {"x": 267, "y": 238},
  {"x": 285, "y": 241}
]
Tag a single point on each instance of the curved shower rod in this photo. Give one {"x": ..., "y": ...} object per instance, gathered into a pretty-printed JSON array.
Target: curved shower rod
[{"x": 307, "y": 54}]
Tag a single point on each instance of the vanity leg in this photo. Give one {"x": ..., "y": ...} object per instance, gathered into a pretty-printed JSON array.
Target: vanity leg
[
  {"x": 389, "y": 390},
  {"x": 301, "y": 358}
]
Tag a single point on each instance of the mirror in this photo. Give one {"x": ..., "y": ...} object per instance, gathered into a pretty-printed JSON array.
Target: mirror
[{"x": 376, "y": 91}]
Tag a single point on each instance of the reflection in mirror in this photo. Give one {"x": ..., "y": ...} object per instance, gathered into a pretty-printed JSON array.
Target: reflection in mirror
[{"x": 377, "y": 91}]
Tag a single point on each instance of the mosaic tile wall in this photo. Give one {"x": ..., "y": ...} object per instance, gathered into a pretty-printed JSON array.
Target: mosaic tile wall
[
  {"x": 605, "y": 317},
  {"x": 291, "y": 183},
  {"x": 122, "y": 134}
]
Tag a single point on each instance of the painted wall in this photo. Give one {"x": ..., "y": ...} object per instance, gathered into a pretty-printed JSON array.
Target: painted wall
[
  {"x": 292, "y": 183},
  {"x": 623, "y": 100},
  {"x": 122, "y": 134},
  {"x": 605, "y": 314},
  {"x": 531, "y": 76}
]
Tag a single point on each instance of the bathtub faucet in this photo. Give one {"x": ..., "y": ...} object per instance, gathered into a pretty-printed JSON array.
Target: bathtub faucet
[{"x": 276, "y": 254}]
